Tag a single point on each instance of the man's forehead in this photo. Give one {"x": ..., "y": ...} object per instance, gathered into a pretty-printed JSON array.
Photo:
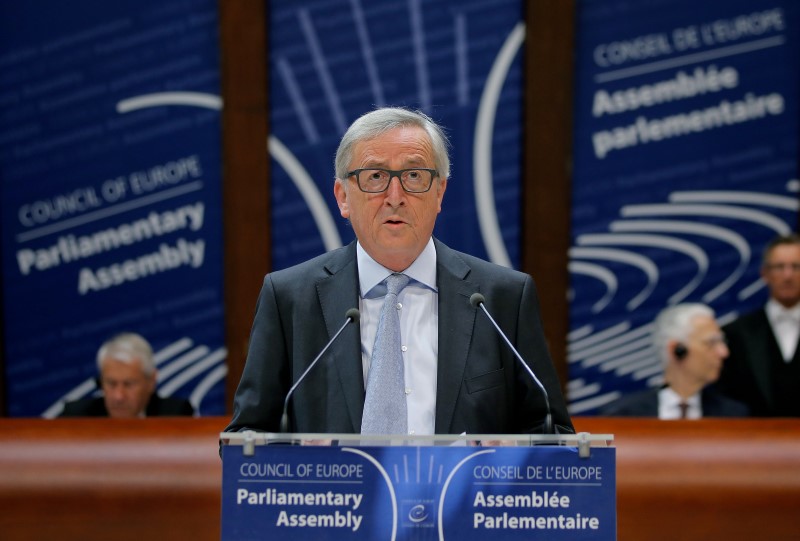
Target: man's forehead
[
  {"x": 116, "y": 365},
  {"x": 785, "y": 251},
  {"x": 401, "y": 135},
  {"x": 704, "y": 324}
]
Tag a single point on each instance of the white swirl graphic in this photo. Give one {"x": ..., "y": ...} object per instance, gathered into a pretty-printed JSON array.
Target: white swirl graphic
[{"x": 482, "y": 148}]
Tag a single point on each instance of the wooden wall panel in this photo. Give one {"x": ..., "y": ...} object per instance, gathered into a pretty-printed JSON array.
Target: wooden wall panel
[
  {"x": 246, "y": 211},
  {"x": 547, "y": 144}
]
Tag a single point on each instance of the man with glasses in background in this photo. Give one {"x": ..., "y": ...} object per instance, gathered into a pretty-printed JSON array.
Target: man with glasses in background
[
  {"x": 764, "y": 365},
  {"x": 692, "y": 349},
  {"x": 444, "y": 369}
]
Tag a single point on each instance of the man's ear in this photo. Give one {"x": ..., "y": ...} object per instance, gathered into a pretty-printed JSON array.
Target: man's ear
[
  {"x": 152, "y": 381},
  {"x": 340, "y": 192}
]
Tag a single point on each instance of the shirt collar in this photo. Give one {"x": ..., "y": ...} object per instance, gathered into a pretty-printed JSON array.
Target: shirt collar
[
  {"x": 776, "y": 311},
  {"x": 372, "y": 273},
  {"x": 672, "y": 399}
]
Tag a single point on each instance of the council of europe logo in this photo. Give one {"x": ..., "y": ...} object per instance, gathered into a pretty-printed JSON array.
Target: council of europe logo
[{"x": 418, "y": 513}]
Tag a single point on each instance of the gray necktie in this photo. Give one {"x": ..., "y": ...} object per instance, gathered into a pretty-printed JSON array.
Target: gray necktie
[{"x": 385, "y": 409}]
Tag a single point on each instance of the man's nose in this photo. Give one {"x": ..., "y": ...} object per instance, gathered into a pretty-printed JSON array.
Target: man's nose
[{"x": 395, "y": 191}]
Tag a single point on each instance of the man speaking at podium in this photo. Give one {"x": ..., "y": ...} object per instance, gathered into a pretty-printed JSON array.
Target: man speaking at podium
[{"x": 383, "y": 336}]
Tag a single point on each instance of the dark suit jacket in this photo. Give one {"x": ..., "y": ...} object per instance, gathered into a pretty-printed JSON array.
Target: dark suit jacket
[
  {"x": 754, "y": 350},
  {"x": 481, "y": 387},
  {"x": 156, "y": 407},
  {"x": 645, "y": 404}
]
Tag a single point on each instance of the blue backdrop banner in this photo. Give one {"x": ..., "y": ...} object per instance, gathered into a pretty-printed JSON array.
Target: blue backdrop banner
[
  {"x": 110, "y": 182},
  {"x": 686, "y": 141},
  {"x": 457, "y": 60}
]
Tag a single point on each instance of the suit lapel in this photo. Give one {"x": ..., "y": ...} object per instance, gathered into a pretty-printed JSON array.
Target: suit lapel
[
  {"x": 337, "y": 293},
  {"x": 456, "y": 321},
  {"x": 764, "y": 349}
]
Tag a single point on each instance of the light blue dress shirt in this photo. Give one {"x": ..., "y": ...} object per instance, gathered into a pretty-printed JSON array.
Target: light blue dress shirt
[{"x": 419, "y": 329}]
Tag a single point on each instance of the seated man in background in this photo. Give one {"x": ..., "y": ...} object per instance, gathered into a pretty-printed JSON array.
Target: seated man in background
[
  {"x": 764, "y": 367},
  {"x": 692, "y": 347},
  {"x": 128, "y": 379}
]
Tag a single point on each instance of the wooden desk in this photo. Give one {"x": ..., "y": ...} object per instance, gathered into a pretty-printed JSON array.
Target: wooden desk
[
  {"x": 104, "y": 479},
  {"x": 153, "y": 479},
  {"x": 709, "y": 480}
]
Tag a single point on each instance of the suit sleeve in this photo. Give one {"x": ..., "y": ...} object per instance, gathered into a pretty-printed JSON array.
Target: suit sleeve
[
  {"x": 734, "y": 378},
  {"x": 186, "y": 409},
  {"x": 258, "y": 402},
  {"x": 533, "y": 348},
  {"x": 70, "y": 410},
  {"x": 85, "y": 407}
]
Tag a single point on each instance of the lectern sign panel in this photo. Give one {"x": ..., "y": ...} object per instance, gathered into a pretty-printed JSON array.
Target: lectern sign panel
[{"x": 418, "y": 493}]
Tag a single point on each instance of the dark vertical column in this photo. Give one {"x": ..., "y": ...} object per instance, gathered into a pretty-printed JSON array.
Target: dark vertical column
[
  {"x": 3, "y": 380},
  {"x": 546, "y": 167},
  {"x": 245, "y": 189}
]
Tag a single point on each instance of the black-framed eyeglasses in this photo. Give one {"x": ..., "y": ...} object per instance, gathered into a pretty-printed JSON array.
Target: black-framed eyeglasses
[
  {"x": 372, "y": 180},
  {"x": 716, "y": 340},
  {"x": 781, "y": 267}
]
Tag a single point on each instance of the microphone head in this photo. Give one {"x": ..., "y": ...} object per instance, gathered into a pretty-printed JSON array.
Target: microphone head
[
  {"x": 476, "y": 299},
  {"x": 353, "y": 314}
]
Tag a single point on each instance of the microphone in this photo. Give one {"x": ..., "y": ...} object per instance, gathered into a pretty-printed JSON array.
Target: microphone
[
  {"x": 352, "y": 315},
  {"x": 476, "y": 299}
]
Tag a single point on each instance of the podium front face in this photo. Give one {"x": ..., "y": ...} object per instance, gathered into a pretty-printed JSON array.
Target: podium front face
[{"x": 457, "y": 490}]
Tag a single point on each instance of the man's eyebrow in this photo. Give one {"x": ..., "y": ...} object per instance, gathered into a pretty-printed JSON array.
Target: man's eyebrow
[
  {"x": 411, "y": 161},
  {"x": 416, "y": 161}
]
